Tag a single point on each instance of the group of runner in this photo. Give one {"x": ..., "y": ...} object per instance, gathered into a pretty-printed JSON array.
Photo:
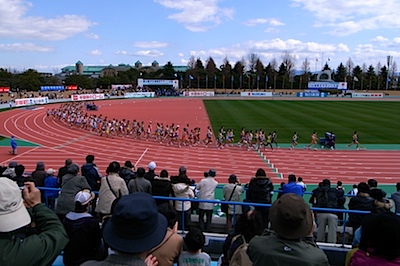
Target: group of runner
[
  {"x": 73, "y": 114},
  {"x": 314, "y": 141}
]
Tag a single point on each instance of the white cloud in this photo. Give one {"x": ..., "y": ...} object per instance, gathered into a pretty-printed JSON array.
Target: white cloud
[
  {"x": 197, "y": 15},
  {"x": 380, "y": 39},
  {"x": 345, "y": 17},
  {"x": 151, "y": 53},
  {"x": 25, "y": 47},
  {"x": 92, "y": 36},
  {"x": 123, "y": 53},
  {"x": 145, "y": 53},
  {"x": 270, "y": 21},
  {"x": 181, "y": 55},
  {"x": 14, "y": 23},
  {"x": 153, "y": 44},
  {"x": 95, "y": 52}
]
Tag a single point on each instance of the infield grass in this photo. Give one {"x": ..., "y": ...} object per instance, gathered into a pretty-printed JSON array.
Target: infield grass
[{"x": 377, "y": 122}]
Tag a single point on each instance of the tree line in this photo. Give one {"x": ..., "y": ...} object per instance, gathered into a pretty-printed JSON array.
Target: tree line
[{"x": 244, "y": 74}]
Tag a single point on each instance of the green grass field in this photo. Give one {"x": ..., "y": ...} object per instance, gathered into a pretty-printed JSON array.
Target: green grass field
[{"x": 377, "y": 122}]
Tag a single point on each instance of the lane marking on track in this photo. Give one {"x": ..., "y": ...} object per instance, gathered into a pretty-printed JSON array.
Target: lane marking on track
[
  {"x": 72, "y": 141},
  {"x": 19, "y": 155},
  {"x": 141, "y": 156}
]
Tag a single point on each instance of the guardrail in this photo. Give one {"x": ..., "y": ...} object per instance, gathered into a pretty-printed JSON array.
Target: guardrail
[{"x": 236, "y": 203}]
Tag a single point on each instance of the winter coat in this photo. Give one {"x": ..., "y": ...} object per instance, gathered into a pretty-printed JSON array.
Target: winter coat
[
  {"x": 84, "y": 238},
  {"x": 41, "y": 248},
  {"x": 90, "y": 171},
  {"x": 206, "y": 188},
  {"x": 182, "y": 190},
  {"x": 260, "y": 188},
  {"x": 106, "y": 195},
  {"x": 161, "y": 186},
  {"x": 71, "y": 184},
  {"x": 126, "y": 174}
]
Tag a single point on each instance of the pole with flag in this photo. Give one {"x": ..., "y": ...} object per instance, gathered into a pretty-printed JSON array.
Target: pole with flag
[
  {"x": 258, "y": 82},
  {"x": 266, "y": 82},
  {"x": 215, "y": 81},
  {"x": 206, "y": 81},
  {"x": 240, "y": 81},
  {"x": 198, "y": 81},
  {"x": 190, "y": 80},
  {"x": 232, "y": 79}
]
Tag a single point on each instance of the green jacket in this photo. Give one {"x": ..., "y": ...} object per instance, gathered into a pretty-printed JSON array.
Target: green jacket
[
  {"x": 273, "y": 250},
  {"x": 41, "y": 248}
]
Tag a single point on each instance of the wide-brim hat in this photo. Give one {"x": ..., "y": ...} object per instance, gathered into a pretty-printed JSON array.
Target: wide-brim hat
[
  {"x": 13, "y": 214},
  {"x": 291, "y": 217},
  {"x": 135, "y": 225}
]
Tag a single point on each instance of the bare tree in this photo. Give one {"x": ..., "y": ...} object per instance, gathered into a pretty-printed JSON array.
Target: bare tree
[
  {"x": 274, "y": 64},
  {"x": 378, "y": 68},
  {"x": 288, "y": 61},
  {"x": 305, "y": 66},
  {"x": 393, "y": 69},
  {"x": 192, "y": 62},
  {"x": 349, "y": 66},
  {"x": 253, "y": 58}
]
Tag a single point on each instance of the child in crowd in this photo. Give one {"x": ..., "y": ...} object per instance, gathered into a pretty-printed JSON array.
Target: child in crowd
[
  {"x": 194, "y": 241},
  {"x": 51, "y": 181}
]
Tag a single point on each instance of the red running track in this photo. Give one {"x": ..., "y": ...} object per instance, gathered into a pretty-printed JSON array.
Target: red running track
[{"x": 58, "y": 142}]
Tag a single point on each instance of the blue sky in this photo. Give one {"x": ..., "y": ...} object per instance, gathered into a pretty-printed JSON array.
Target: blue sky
[{"x": 48, "y": 35}]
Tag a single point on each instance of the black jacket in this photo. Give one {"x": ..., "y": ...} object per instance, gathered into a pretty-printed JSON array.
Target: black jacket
[
  {"x": 127, "y": 174},
  {"x": 161, "y": 187},
  {"x": 361, "y": 202},
  {"x": 260, "y": 188},
  {"x": 84, "y": 238}
]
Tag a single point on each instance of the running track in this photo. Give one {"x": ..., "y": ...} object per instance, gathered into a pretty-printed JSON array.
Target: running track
[{"x": 58, "y": 142}]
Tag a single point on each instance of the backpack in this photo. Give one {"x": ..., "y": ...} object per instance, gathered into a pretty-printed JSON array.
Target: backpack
[
  {"x": 240, "y": 257},
  {"x": 324, "y": 200}
]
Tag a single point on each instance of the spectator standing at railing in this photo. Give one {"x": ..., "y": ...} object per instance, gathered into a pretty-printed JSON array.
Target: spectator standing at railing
[
  {"x": 127, "y": 172},
  {"x": 150, "y": 174},
  {"x": 232, "y": 192},
  {"x": 301, "y": 183},
  {"x": 260, "y": 190},
  {"x": 206, "y": 188},
  {"x": 181, "y": 188},
  {"x": 71, "y": 184},
  {"x": 91, "y": 172},
  {"x": 112, "y": 187},
  {"x": 327, "y": 198},
  {"x": 39, "y": 174},
  {"x": 362, "y": 202},
  {"x": 373, "y": 184},
  {"x": 292, "y": 186},
  {"x": 140, "y": 184},
  {"x": 161, "y": 186},
  {"x": 396, "y": 198},
  {"x": 51, "y": 182},
  {"x": 62, "y": 171},
  {"x": 20, "y": 178}
]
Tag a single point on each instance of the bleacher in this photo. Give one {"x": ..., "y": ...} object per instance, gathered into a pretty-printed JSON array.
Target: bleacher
[{"x": 215, "y": 237}]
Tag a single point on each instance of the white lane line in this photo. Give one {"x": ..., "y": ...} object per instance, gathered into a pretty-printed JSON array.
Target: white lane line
[{"x": 141, "y": 156}]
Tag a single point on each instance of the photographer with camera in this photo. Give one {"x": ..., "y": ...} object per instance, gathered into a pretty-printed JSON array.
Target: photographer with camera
[{"x": 30, "y": 233}]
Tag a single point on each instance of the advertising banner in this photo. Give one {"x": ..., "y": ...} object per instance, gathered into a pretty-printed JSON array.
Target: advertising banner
[
  {"x": 160, "y": 82},
  {"x": 71, "y": 87},
  {"x": 51, "y": 88},
  {"x": 31, "y": 101},
  {"x": 4, "y": 89},
  {"x": 87, "y": 97},
  {"x": 255, "y": 94},
  {"x": 318, "y": 85},
  {"x": 199, "y": 94},
  {"x": 139, "y": 95},
  {"x": 312, "y": 94},
  {"x": 367, "y": 95}
]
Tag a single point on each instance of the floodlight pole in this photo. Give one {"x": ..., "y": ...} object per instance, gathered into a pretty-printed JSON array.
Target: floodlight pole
[{"x": 389, "y": 61}]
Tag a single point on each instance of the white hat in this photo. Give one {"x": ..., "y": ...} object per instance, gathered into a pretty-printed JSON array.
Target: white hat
[
  {"x": 84, "y": 196},
  {"x": 50, "y": 171},
  {"x": 13, "y": 214},
  {"x": 152, "y": 165}
]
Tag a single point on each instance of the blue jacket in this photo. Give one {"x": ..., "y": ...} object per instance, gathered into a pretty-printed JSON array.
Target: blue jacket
[
  {"x": 292, "y": 187},
  {"x": 51, "y": 182},
  {"x": 13, "y": 143}
]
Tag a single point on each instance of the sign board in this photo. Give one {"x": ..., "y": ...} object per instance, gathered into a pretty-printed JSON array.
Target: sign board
[
  {"x": 255, "y": 94},
  {"x": 87, "y": 97},
  {"x": 367, "y": 95},
  {"x": 160, "y": 82},
  {"x": 199, "y": 94},
  {"x": 318, "y": 85},
  {"x": 139, "y": 95},
  {"x": 31, "y": 101}
]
